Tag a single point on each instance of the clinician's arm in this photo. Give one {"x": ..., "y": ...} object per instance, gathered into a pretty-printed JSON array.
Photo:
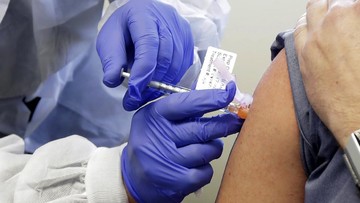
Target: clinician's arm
[
  {"x": 265, "y": 163},
  {"x": 155, "y": 39},
  {"x": 149, "y": 38},
  {"x": 170, "y": 142},
  {"x": 171, "y": 145},
  {"x": 71, "y": 169}
]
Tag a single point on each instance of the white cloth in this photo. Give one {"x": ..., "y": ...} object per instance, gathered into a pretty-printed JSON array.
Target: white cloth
[
  {"x": 207, "y": 18},
  {"x": 65, "y": 170}
]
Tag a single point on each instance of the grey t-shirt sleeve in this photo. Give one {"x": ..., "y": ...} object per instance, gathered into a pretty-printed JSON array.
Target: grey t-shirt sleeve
[{"x": 328, "y": 179}]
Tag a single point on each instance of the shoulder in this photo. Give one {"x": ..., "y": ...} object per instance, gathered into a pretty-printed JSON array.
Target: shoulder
[{"x": 266, "y": 156}]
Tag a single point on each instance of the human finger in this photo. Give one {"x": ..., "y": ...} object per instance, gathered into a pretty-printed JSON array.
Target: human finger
[
  {"x": 195, "y": 155},
  {"x": 315, "y": 12},
  {"x": 196, "y": 178},
  {"x": 165, "y": 54},
  {"x": 203, "y": 130},
  {"x": 194, "y": 103},
  {"x": 111, "y": 48},
  {"x": 339, "y": 3},
  {"x": 183, "y": 50},
  {"x": 300, "y": 33},
  {"x": 188, "y": 52},
  {"x": 145, "y": 36}
]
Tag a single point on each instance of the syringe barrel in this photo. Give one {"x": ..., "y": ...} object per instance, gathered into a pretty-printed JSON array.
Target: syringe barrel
[
  {"x": 167, "y": 88},
  {"x": 240, "y": 109}
]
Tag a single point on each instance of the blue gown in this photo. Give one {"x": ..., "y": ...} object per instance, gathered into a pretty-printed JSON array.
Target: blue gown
[{"x": 47, "y": 50}]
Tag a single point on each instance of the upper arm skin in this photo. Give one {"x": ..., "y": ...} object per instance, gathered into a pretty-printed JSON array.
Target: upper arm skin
[{"x": 265, "y": 163}]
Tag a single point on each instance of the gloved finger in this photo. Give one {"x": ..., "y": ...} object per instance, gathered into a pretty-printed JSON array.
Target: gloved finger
[
  {"x": 176, "y": 64},
  {"x": 145, "y": 36},
  {"x": 195, "y": 155},
  {"x": 111, "y": 48},
  {"x": 202, "y": 130},
  {"x": 183, "y": 50},
  {"x": 194, "y": 103},
  {"x": 165, "y": 54},
  {"x": 168, "y": 69},
  {"x": 149, "y": 94},
  {"x": 182, "y": 40},
  {"x": 197, "y": 178},
  {"x": 188, "y": 50}
]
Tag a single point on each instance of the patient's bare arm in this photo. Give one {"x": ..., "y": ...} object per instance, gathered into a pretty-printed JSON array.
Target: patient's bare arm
[{"x": 265, "y": 163}]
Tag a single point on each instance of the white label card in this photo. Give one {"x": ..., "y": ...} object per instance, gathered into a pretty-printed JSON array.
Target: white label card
[{"x": 209, "y": 77}]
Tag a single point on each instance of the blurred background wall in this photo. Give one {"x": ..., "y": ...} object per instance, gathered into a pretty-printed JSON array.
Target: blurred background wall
[{"x": 252, "y": 27}]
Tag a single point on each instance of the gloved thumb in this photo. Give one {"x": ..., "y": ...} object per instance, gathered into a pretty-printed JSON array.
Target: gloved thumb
[{"x": 195, "y": 103}]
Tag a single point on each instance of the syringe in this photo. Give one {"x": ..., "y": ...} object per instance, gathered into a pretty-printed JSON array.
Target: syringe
[
  {"x": 240, "y": 109},
  {"x": 161, "y": 86}
]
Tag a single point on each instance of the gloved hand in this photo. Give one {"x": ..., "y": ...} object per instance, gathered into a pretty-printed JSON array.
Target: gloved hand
[
  {"x": 151, "y": 39},
  {"x": 171, "y": 145}
]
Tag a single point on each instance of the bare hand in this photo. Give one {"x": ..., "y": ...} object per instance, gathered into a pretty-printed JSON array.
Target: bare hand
[{"x": 328, "y": 45}]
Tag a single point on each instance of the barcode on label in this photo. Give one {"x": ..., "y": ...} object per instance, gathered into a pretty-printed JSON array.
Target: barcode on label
[{"x": 210, "y": 77}]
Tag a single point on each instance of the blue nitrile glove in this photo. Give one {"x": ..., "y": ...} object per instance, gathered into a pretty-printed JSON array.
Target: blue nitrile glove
[
  {"x": 151, "y": 39},
  {"x": 171, "y": 145}
]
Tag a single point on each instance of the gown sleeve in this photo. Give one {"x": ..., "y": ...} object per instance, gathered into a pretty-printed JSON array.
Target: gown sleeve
[{"x": 71, "y": 169}]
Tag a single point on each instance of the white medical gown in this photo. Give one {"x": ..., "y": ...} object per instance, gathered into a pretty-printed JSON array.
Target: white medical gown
[{"x": 47, "y": 50}]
